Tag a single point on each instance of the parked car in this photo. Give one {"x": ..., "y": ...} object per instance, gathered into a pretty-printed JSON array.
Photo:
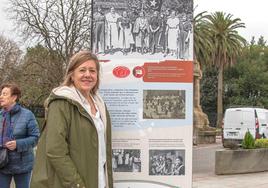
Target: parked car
[{"x": 237, "y": 121}]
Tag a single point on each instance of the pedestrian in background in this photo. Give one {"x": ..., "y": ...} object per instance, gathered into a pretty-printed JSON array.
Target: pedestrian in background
[
  {"x": 75, "y": 147},
  {"x": 19, "y": 134}
]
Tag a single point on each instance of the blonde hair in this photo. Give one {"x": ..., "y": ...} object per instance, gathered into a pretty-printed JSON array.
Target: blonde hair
[{"x": 75, "y": 61}]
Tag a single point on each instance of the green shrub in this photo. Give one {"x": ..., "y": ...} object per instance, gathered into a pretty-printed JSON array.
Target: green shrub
[
  {"x": 261, "y": 143},
  {"x": 248, "y": 141}
]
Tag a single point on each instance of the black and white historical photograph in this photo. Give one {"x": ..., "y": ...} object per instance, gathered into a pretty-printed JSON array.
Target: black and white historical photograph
[
  {"x": 161, "y": 28},
  {"x": 126, "y": 160},
  {"x": 164, "y": 104},
  {"x": 167, "y": 162}
]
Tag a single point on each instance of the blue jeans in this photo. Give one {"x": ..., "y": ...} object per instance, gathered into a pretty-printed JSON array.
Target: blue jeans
[{"x": 21, "y": 180}]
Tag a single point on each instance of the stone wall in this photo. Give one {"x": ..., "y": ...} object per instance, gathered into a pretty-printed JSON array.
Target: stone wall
[
  {"x": 241, "y": 161},
  {"x": 206, "y": 137}
]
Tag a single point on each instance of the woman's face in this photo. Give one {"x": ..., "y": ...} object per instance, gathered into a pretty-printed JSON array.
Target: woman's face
[
  {"x": 7, "y": 100},
  {"x": 183, "y": 17},
  {"x": 124, "y": 14},
  {"x": 173, "y": 14},
  {"x": 85, "y": 77},
  {"x": 178, "y": 161}
]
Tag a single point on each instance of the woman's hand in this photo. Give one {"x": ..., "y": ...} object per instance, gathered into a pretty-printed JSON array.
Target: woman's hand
[{"x": 11, "y": 145}]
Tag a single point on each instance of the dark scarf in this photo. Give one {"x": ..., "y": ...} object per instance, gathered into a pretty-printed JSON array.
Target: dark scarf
[{"x": 6, "y": 126}]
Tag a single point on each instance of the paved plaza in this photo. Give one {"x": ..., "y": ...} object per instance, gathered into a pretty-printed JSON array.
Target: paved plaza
[
  {"x": 250, "y": 180},
  {"x": 204, "y": 174}
]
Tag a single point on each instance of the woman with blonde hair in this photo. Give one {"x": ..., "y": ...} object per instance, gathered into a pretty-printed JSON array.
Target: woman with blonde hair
[{"x": 75, "y": 146}]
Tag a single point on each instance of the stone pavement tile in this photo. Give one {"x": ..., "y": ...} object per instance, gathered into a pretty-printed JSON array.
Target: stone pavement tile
[
  {"x": 262, "y": 186},
  {"x": 251, "y": 180},
  {"x": 210, "y": 185}
]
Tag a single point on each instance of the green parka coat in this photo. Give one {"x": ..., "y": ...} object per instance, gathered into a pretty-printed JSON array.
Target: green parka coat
[{"x": 67, "y": 153}]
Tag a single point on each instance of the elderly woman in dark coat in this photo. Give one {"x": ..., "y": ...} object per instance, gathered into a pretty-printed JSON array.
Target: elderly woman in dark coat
[{"x": 19, "y": 134}]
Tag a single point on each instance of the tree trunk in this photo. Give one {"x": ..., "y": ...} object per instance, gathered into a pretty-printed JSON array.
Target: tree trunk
[{"x": 219, "y": 97}]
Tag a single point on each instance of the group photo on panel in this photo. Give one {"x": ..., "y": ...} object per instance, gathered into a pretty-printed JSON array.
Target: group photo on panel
[
  {"x": 126, "y": 160},
  {"x": 164, "y": 104},
  {"x": 167, "y": 162},
  {"x": 143, "y": 27}
]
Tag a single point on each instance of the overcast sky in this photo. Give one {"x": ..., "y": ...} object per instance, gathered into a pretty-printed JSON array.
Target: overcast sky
[
  {"x": 5, "y": 24},
  {"x": 253, "y": 13}
]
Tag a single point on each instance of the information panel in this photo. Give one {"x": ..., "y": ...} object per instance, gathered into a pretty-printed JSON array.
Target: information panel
[{"x": 146, "y": 53}]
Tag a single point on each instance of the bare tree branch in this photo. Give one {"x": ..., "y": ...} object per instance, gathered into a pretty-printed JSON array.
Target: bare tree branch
[
  {"x": 10, "y": 57},
  {"x": 60, "y": 25}
]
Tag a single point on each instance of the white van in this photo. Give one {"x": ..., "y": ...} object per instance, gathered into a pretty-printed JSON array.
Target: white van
[
  {"x": 263, "y": 121},
  {"x": 237, "y": 121}
]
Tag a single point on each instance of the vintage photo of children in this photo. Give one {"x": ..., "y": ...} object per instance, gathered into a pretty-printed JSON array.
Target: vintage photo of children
[{"x": 164, "y": 104}]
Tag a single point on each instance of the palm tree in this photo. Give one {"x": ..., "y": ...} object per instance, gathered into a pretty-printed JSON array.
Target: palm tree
[
  {"x": 202, "y": 39},
  {"x": 227, "y": 45}
]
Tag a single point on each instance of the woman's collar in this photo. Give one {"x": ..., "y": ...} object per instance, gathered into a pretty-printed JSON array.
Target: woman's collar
[{"x": 13, "y": 109}]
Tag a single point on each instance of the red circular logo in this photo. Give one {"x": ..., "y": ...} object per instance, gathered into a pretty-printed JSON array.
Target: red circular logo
[
  {"x": 138, "y": 72},
  {"x": 121, "y": 71}
]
